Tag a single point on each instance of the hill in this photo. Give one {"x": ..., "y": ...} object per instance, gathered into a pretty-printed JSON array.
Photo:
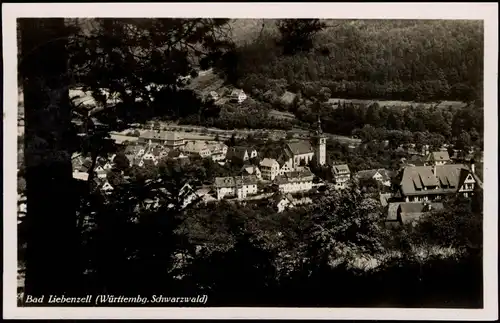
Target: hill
[{"x": 409, "y": 60}]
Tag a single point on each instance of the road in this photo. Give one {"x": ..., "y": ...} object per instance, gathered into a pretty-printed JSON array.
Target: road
[{"x": 193, "y": 131}]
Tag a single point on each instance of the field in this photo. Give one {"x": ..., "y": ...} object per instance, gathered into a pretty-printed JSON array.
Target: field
[
  {"x": 281, "y": 115},
  {"x": 205, "y": 82},
  {"x": 399, "y": 104}
]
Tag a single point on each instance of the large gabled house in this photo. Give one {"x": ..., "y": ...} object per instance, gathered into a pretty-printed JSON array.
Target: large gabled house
[{"x": 429, "y": 183}]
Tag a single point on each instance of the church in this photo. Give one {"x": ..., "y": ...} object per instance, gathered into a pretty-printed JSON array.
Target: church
[{"x": 302, "y": 152}]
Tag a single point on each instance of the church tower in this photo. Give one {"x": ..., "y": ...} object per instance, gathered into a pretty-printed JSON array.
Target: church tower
[{"x": 320, "y": 145}]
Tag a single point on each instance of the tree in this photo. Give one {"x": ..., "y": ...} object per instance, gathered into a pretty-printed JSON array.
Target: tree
[
  {"x": 459, "y": 225},
  {"x": 52, "y": 253},
  {"x": 121, "y": 161},
  {"x": 297, "y": 34},
  {"x": 463, "y": 142}
]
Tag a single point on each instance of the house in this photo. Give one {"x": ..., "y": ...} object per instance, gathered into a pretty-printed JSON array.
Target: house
[
  {"x": 218, "y": 151},
  {"x": 172, "y": 140},
  {"x": 241, "y": 153},
  {"x": 285, "y": 161},
  {"x": 237, "y": 186},
  {"x": 238, "y": 95},
  {"x": 106, "y": 187},
  {"x": 428, "y": 183},
  {"x": 282, "y": 201},
  {"x": 176, "y": 154},
  {"x": 296, "y": 181},
  {"x": 188, "y": 195},
  {"x": 341, "y": 175},
  {"x": 269, "y": 168},
  {"x": 199, "y": 148},
  {"x": 414, "y": 160},
  {"x": 409, "y": 213},
  {"x": 301, "y": 151},
  {"x": 84, "y": 176},
  {"x": 77, "y": 162},
  {"x": 141, "y": 152},
  {"x": 204, "y": 195},
  {"x": 86, "y": 164},
  {"x": 252, "y": 170},
  {"x": 149, "y": 155},
  {"x": 147, "y": 162},
  {"x": 380, "y": 175},
  {"x": 437, "y": 158}
]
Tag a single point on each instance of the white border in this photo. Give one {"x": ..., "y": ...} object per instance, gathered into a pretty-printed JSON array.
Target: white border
[{"x": 485, "y": 11}]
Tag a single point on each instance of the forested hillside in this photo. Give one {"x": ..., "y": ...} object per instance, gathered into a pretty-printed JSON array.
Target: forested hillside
[{"x": 415, "y": 60}]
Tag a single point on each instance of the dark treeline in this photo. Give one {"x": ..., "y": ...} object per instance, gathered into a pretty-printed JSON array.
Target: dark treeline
[
  {"x": 408, "y": 60},
  {"x": 449, "y": 123}
]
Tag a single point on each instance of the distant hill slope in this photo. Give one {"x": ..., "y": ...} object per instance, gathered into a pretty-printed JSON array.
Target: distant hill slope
[
  {"x": 421, "y": 60},
  {"x": 248, "y": 30}
]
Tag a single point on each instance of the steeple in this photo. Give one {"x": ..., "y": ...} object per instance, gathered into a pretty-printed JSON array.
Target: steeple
[
  {"x": 319, "y": 131},
  {"x": 320, "y": 145}
]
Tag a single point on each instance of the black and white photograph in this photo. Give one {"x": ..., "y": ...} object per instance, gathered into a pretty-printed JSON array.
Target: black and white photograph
[{"x": 176, "y": 158}]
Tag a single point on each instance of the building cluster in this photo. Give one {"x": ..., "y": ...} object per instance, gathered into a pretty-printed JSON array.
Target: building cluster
[
  {"x": 418, "y": 187},
  {"x": 236, "y": 95},
  {"x": 289, "y": 172}
]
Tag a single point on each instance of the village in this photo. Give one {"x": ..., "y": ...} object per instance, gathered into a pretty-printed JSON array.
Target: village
[{"x": 286, "y": 180}]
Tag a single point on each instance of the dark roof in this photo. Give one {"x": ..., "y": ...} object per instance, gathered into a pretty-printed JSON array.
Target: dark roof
[
  {"x": 174, "y": 153},
  {"x": 366, "y": 174},
  {"x": 341, "y": 169},
  {"x": 300, "y": 147},
  {"x": 411, "y": 207},
  {"x": 232, "y": 181},
  {"x": 295, "y": 176},
  {"x": 87, "y": 163},
  {"x": 238, "y": 151},
  {"x": 417, "y": 209},
  {"x": 447, "y": 179},
  {"x": 283, "y": 158},
  {"x": 438, "y": 156}
]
